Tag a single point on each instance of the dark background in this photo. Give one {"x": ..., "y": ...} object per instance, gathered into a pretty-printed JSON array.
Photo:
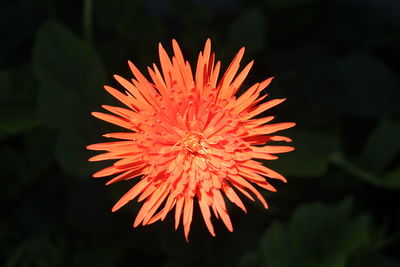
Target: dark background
[{"x": 338, "y": 64}]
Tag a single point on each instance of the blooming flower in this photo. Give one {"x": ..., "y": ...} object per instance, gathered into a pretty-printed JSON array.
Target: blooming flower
[{"x": 190, "y": 139}]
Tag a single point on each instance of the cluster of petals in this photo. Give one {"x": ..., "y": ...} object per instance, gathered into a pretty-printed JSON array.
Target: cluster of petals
[{"x": 189, "y": 138}]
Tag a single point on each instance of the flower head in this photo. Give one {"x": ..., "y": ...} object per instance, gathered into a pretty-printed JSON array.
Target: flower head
[{"x": 190, "y": 139}]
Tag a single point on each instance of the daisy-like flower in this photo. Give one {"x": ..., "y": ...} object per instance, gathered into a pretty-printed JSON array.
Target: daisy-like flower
[{"x": 188, "y": 138}]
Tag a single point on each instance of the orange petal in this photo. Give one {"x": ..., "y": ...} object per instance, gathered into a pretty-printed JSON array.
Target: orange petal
[
  {"x": 166, "y": 65},
  {"x": 121, "y": 97},
  {"x": 271, "y": 128},
  {"x": 231, "y": 194},
  {"x": 123, "y": 112},
  {"x": 107, "y": 156},
  {"x": 181, "y": 63},
  {"x": 114, "y": 120},
  {"x": 263, "y": 107},
  {"x": 266, "y": 156},
  {"x": 131, "y": 194},
  {"x": 230, "y": 74},
  {"x": 205, "y": 211},
  {"x": 126, "y": 136},
  {"x": 187, "y": 216},
  {"x": 151, "y": 205},
  {"x": 109, "y": 171},
  {"x": 273, "y": 149},
  {"x": 127, "y": 175},
  {"x": 240, "y": 78},
  {"x": 219, "y": 204},
  {"x": 110, "y": 145},
  {"x": 178, "y": 211},
  {"x": 244, "y": 183}
]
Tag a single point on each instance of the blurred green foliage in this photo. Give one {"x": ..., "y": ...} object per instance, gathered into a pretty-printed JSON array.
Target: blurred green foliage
[
  {"x": 318, "y": 235},
  {"x": 337, "y": 63}
]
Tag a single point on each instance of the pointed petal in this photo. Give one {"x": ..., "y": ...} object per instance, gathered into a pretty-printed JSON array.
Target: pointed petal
[
  {"x": 131, "y": 194},
  {"x": 114, "y": 120},
  {"x": 241, "y": 77},
  {"x": 205, "y": 211},
  {"x": 231, "y": 194},
  {"x": 166, "y": 65},
  {"x": 178, "y": 211},
  {"x": 271, "y": 128},
  {"x": 263, "y": 107},
  {"x": 187, "y": 216},
  {"x": 230, "y": 73},
  {"x": 273, "y": 149},
  {"x": 221, "y": 209}
]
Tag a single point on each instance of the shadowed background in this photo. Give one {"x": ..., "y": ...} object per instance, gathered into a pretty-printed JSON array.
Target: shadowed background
[{"x": 336, "y": 62}]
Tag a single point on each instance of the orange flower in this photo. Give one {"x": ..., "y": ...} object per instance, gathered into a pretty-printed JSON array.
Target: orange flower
[{"x": 189, "y": 137}]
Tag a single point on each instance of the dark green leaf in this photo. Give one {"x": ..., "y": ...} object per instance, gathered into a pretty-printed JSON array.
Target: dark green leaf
[
  {"x": 70, "y": 76},
  {"x": 382, "y": 146},
  {"x": 391, "y": 179},
  {"x": 71, "y": 153},
  {"x": 275, "y": 242},
  {"x": 317, "y": 235},
  {"x": 312, "y": 152},
  {"x": 17, "y": 105}
]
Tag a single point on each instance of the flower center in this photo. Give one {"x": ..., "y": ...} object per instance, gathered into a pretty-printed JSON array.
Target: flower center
[{"x": 194, "y": 143}]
